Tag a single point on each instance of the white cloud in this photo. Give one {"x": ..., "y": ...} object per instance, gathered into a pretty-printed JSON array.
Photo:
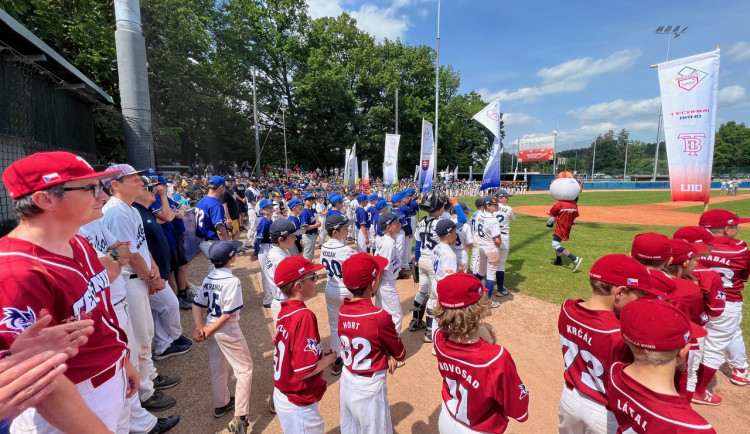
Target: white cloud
[
  {"x": 740, "y": 51},
  {"x": 570, "y": 76},
  {"x": 617, "y": 110},
  {"x": 732, "y": 96},
  {"x": 380, "y": 22},
  {"x": 324, "y": 8},
  {"x": 519, "y": 119}
]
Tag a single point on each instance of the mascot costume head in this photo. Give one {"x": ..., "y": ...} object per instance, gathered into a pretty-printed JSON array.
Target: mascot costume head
[{"x": 565, "y": 187}]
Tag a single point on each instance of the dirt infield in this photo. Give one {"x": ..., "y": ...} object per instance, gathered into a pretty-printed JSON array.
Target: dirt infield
[
  {"x": 526, "y": 326},
  {"x": 664, "y": 213}
]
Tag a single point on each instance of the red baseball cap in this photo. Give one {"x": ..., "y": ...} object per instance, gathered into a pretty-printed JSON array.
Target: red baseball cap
[
  {"x": 695, "y": 234},
  {"x": 719, "y": 218},
  {"x": 654, "y": 325},
  {"x": 361, "y": 269},
  {"x": 622, "y": 270},
  {"x": 459, "y": 290},
  {"x": 683, "y": 251},
  {"x": 662, "y": 282},
  {"x": 48, "y": 169},
  {"x": 293, "y": 268},
  {"x": 651, "y": 246}
]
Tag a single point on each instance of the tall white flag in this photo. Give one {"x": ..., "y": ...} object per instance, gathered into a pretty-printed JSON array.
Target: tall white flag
[
  {"x": 427, "y": 159},
  {"x": 353, "y": 170},
  {"x": 390, "y": 165},
  {"x": 455, "y": 174},
  {"x": 345, "y": 175},
  {"x": 490, "y": 117},
  {"x": 416, "y": 173},
  {"x": 689, "y": 89}
]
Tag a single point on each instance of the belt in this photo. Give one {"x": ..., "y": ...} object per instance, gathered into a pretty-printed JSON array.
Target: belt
[
  {"x": 118, "y": 302},
  {"x": 366, "y": 374},
  {"x": 107, "y": 374},
  {"x": 133, "y": 276}
]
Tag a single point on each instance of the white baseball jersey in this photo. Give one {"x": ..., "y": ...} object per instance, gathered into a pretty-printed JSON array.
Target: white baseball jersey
[
  {"x": 386, "y": 247},
  {"x": 275, "y": 256},
  {"x": 443, "y": 261},
  {"x": 426, "y": 234},
  {"x": 471, "y": 225},
  {"x": 460, "y": 246},
  {"x": 126, "y": 224},
  {"x": 486, "y": 230},
  {"x": 100, "y": 239},
  {"x": 504, "y": 215},
  {"x": 220, "y": 294},
  {"x": 332, "y": 255}
]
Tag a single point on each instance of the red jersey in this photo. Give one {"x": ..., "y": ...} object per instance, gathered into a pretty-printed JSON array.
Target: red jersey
[
  {"x": 69, "y": 289},
  {"x": 565, "y": 213},
  {"x": 731, "y": 259},
  {"x": 689, "y": 299},
  {"x": 481, "y": 387},
  {"x": 296, "y": 352},
  {"x": 591, "y": 342},
  {"x": 712, "y": 288},
  {"x": 640, "y": 410},
  {"x": 368, "y": 336}
]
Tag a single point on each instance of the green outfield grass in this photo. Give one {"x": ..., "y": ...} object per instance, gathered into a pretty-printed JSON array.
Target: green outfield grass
[
  {"x": 739, "y": 207},
  {"x": 601, "y": 198},
  {"x": 528, "y": 268}
]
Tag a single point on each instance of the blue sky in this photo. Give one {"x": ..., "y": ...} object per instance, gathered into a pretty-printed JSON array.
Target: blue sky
[{"x": 580, "y": 67}]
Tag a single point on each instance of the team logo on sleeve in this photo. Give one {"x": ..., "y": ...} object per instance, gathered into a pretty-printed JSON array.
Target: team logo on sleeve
[
  {"x": 17, "y": 319},
  {"x": 721, "y": 295},
  {"x": 524, "y": 391},
  {"x": 314, "y": 346}
]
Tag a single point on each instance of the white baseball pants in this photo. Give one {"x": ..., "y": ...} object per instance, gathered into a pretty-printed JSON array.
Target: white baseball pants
[
  {"x": 406, "y": 252},
  {"x": 139, "y": 311},
  {"x": 252, "y": 225},
  {"x": 165, "y": 309},
  {"x": 263, "y": 261},
  {"x": 725, "y": 334},
  {"x": 579, "y": 414},
  {"x": 322, "y": 232},
  {"x": 295, "y": 419},
  {"x": 363, "y": 403},
  {"x": 400, "y": 237},
  {"x": 448, "y": 425},
  {"x": 489, "y": 261},
  {"x": 426, "y": 276},
  {"x": 227, "y": 349},
  {"x": 361, "y": 245},
  {"x": 134, "y": 418},
  {"x": 387, "y": 298},
  {"x": 334, "y": 300},
  {"x": 308, "y": 243},
  {"x": 503, "y": 251}
]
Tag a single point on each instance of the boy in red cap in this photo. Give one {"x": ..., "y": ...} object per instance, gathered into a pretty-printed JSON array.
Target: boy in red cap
[
  {"x": 298, "y": 357},
  {"x": 642, "y": 395},
  {"x": 481, "y": 386},
  {"x": 369, "y": 346},
  {"x": 730, "y": 258},
  {"x": 591, "y": 342}
]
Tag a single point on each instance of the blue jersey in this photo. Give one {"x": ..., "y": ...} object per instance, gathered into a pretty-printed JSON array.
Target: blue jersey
[
  {"x": 332, "y": 211},
  {"x": 307, "y": 218},
  {"x": 405, "y": 211},
  {"x": 372, "y": 215},
  {"x": 295, "y": 220},
  {"x": 209, "y": 213},
  {"x": 179, "y": 225},
  {"x": 361, "y": 217},
  {"x": 262, "y": 235}
]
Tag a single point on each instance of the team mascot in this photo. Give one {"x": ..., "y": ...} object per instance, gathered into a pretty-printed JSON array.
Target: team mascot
[{"x": 565, "y": 188}]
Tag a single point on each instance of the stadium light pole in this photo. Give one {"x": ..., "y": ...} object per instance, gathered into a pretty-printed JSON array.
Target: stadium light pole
[
  {"x": 255, "y": 127},
  {"x": 593, "y": 159},
  {"x": 625, "y": 169},
  {"x": 437, "y": 92},
  {"x": 669, "y": 31},
  {"x": 286, "y": 160}
]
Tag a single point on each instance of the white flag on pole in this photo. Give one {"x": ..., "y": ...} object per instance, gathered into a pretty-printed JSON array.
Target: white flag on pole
[
  {"x": 490, "y": 117},
  {"x": 427, "y": 159},
  {"x": 390, "y": 165}
]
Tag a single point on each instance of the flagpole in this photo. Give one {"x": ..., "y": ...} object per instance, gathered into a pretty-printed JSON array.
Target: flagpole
[{"x": 437, "y": 90}]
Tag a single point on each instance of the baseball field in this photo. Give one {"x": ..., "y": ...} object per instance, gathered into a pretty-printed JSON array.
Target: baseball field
[{"x": 525, "y": 323}]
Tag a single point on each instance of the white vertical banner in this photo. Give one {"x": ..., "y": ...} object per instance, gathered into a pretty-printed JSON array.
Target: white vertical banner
[
  {"x": 455, "y": 174},
  {"x": 390, "y": 165},
  {"x": 471, "y": 173},
  {"x": 490, "y": 117},
  {"x": 345, "y": 175},
  {"x": 352, "y": 171},
  {"x": 427, "y": 157},
  {"x": 416, "y": 173},
  {"x": 365, "y": 174},
  {"x": 689, "y": 88}
]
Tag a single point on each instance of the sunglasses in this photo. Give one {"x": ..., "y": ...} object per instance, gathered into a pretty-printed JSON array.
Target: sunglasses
[
  {"x": 96, "y": 190},
  {"x": 313, "y": 276}
]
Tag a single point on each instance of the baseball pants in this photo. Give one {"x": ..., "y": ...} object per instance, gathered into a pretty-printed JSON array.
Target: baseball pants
[
  {"x": 579, "y": 414},
  {"x": 275, "y": 310},
  {"x": 134, "y": 418},
  {"x": 474, "y": 262},
  {"x": 308, "y": 244},
  {"x": 361, "y": 245},
  {"x": 426, "y": 276},
  {"x": 142, "y": 322},
  {"x": 448, "y": 425},
  {"x": 693, "y": 363},
  {"x": 295, "y": 419},
  {"x": 322, "y": 231},
  {"x": 502, "y": 252},
  {"x": 165, "y": 309},
  {"x": 334, "y": 300},
  {"x": 363, "y": 403},
  {"x": 400, "y": 237},
  {"x": 227, "y": 349},
  {"x": 489, "y": 260},
  {"x": 462, "y": 257},
  {"x": 252, "y": 227},
  {"x": 106, "y": 401},
  {"x": 387, "y": 298},
  {"x": 204, "y": 246},
  {"x": 725, "y": 334},
  {"x": 263, "y": 260},
  {"x": 406, "y": 252}
]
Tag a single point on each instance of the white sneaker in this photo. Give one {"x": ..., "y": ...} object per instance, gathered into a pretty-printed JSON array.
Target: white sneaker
[{"x": 577, "y": 263}]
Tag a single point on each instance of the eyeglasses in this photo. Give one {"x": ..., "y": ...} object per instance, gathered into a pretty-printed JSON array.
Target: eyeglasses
[
  {"x": 313, "y": 276},
  {"x": 95, "y": 189}
]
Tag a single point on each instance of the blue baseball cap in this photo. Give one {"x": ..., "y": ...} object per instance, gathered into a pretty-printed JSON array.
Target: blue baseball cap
[
  {"x": 265, "y": 202},
  {"x": 479, "y": 203},
  {"x": 281, "y": 228},
  {"x": 307, "y": 196},
  {"x": 335, "y": 199},
  {"x": 381, "y": 204},
  {"x": 444, "y": 227},
  {"x": 410, "y": 191},
  {"x": 160, "y": 179},
  {"x": 216, "y": 181},
  {"x": 387, "y": 218},
  {"x": 221, "y": 252},
  {"x": 398, "y": 197},
  {"x": 373, "y": 197},
  {"x": 294, "y": 202},
  {"x": 361, "y": 197}
]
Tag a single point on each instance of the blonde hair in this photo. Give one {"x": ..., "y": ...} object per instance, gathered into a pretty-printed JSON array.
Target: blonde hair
[
  {"x": 601, "y": 288},
  {"x": 652, "y": 357},
  {"x": 462, "y": 321}
]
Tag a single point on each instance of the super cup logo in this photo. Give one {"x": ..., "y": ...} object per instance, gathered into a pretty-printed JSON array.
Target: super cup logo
[
  {"x": 427, "y": 134},
  {"x": 692, "y": 143},
  {"x": 688, "y": 78},
  {"x": 392, "y": 143},
  {"x": 493, "y": 115}
]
